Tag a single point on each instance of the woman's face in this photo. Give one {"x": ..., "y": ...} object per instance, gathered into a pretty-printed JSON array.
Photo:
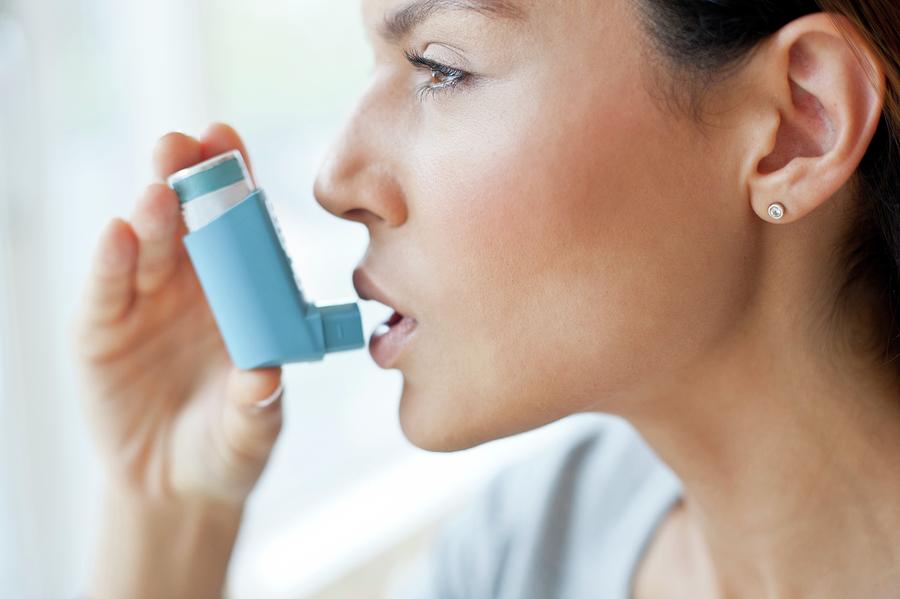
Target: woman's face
[{"x": 563, "y": 241}]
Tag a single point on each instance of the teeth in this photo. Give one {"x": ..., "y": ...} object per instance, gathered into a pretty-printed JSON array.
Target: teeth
[{"x": 381, "y": 329}]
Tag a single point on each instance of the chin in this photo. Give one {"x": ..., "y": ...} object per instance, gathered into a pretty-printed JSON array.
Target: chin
[
  {"x": 451, "y": 420},
  {"x": 437, "y": 422}
]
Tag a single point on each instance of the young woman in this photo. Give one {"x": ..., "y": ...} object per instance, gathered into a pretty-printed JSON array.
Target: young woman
[{"x": 681, "y": 212}]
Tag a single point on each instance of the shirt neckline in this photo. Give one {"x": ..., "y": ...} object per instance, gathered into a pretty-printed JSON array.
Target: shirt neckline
[{"x": 666, "y": 491}]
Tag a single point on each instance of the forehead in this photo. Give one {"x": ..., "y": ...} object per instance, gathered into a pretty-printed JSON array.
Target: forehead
[
  {"x": 551, "y": 29},
  {"x": 393, "y": 16},
  {"x": 561, "y": 17}
]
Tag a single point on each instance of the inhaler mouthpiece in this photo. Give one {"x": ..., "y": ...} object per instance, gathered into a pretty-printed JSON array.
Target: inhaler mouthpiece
[{"x": 238, "y": 253}]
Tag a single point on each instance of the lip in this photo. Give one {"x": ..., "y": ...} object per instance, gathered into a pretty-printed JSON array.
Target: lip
[
  {"x": 388, "y": 342},
  {"x": 367, "y": 289}
]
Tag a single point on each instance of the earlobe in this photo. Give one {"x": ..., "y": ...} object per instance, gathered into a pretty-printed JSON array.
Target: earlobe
[{"x": 825, "y": 97}]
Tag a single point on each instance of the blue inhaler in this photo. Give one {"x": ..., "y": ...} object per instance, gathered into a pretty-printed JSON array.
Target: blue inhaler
[{"x": 237, "y": 250}]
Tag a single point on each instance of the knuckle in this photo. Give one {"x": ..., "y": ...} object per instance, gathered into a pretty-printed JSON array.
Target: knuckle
[
  {"x": 156, "y": 213},
  {"x": 157, "y": 189},
  {"x": 154, "y": 276}
]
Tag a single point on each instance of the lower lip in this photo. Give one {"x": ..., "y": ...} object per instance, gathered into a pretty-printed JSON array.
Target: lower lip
[{"x": 385, "y": 347}]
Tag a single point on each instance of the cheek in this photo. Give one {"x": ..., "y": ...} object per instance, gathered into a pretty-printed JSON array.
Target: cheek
[{"x": 570, "y": 256}]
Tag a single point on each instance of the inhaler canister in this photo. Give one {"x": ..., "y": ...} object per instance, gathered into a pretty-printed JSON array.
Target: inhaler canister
[{"x": 238, "y": 253}]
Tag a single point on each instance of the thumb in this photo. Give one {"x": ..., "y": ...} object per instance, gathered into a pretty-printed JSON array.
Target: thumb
[{"x": 252, "y": 413}]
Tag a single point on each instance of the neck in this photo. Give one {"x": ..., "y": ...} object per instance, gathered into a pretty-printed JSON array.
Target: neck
[{"x": 790, "y": 460}]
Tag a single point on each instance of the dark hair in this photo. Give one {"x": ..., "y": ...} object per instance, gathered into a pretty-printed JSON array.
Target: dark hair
[{"x": 704, "y": 40}]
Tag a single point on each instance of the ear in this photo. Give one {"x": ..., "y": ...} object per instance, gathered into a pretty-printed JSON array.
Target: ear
[{"x": 820, "y": 103}]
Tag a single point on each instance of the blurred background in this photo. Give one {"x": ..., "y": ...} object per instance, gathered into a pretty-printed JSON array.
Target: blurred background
[{"x": 88, "y": 86}]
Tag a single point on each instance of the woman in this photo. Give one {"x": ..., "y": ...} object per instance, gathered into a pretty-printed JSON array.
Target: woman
[{"x": 681, "y": 212}]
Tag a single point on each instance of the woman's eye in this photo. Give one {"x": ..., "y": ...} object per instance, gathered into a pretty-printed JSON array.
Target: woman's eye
[{"x": 443, "y": 77}]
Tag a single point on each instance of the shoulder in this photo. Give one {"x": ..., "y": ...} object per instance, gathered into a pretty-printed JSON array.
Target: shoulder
[{"x": 536, "y": 521}]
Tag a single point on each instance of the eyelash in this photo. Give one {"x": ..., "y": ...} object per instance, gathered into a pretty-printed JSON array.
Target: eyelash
[{"x": 454, "y": 76}]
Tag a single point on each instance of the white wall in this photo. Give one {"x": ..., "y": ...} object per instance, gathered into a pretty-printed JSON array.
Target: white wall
[{"x": 12, "y": 73}]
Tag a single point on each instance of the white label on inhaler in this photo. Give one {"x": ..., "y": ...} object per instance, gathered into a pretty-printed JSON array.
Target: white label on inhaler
[{"x": 201, "y": 211}]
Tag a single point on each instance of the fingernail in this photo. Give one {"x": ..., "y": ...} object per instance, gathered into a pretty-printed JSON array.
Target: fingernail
[{"x": 267, "y": 401}]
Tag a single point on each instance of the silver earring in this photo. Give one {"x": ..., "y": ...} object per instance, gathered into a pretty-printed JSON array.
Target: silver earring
[{"x": 776, "y": 211}]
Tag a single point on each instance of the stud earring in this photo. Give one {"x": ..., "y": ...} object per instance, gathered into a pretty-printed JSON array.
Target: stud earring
[{"x": 776, "y": 211}]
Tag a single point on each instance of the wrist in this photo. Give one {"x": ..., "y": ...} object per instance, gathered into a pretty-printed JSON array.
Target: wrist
[
  {"x": 194, "y": 508},
  {"x": 155, "y": 547}
]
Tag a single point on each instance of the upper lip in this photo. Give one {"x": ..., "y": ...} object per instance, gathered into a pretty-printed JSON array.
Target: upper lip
[{"x": 368, "y": 290}]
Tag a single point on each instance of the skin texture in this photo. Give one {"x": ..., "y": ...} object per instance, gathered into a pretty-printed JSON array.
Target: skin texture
[
  {"x": 568, "y": 241},
  {"x": 535, "y": 252}
]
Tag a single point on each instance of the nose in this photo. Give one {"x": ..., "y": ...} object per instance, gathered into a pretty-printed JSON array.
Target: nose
[{"x": 358, "y": 179}]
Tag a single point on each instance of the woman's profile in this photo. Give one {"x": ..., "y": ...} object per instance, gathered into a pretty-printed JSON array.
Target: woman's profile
[{"x": 681, "y": 213}]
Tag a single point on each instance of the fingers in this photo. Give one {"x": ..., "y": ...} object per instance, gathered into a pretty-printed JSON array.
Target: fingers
[
  {"x": 157, "y": 217},
  {"x": 139, "y": 257},
  {"x": 110, "y": 288},
  {"x": 157, "y": 222},
  {"x": 253, "y": 413},
  {"x": 254, "y": 389},
  {"x": 175, "y": 151}
]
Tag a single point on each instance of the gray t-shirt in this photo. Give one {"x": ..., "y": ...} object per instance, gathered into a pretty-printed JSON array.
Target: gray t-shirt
[{"x": 568, "y": 523}]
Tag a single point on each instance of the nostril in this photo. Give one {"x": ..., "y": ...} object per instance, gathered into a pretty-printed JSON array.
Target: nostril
[
  {"x": 367, "y": 195},
  {"x": 358, "y": 214}
]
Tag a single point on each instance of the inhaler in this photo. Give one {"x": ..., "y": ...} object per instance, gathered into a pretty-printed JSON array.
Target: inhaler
[{"x": 238, "y": 253}]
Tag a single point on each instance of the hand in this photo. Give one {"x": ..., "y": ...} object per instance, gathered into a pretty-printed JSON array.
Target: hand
[{"x": 173, "y": 417}]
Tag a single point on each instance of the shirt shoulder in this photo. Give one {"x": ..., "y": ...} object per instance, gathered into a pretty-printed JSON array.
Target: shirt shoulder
[{"x": 570, "y": 516}]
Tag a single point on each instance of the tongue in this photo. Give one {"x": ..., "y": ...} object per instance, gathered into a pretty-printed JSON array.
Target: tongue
[{"x": 394, "y": 319}]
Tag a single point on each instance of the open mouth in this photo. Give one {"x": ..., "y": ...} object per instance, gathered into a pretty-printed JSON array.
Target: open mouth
[
  {"x": 394, "y": 319},
  {"x": 390, "y": 338}
]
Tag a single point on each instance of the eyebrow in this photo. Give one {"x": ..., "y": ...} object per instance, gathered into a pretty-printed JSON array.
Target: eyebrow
[{"x": 400, "y": 23}]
